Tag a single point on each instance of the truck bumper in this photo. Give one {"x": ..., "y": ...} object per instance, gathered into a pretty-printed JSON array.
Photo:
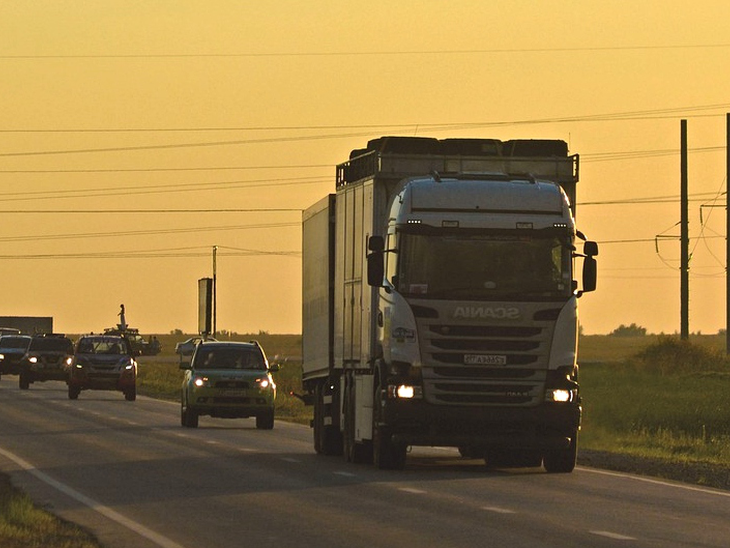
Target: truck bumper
[{"x": 543, "y": 427}]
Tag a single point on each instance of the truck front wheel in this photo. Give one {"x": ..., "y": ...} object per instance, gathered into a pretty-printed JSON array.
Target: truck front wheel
[
  {"x": 387, "y": 455},
  {"x": 562, "y": 461}
]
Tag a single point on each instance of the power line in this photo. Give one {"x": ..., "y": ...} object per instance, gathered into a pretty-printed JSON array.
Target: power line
[
  {"x": 135, "y": 233},
  {"x": 155, "y": 189},
  {"x": 432, "y": 127},
  {"x": 162, "y": 169},
  {"x": 148, "y": 211},
  {"x": 368, "y": 53}
]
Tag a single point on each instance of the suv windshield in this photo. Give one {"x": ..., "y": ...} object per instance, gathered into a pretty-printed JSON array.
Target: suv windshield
[
  {"x": 14, "y": 342},
  {"x": 222, "y": 357},
  {"x": 102, "y": 346},
  {"x": 53, "y": 344}
]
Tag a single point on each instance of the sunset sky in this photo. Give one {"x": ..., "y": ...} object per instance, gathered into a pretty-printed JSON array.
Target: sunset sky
[{"x": 136, "y": 136}]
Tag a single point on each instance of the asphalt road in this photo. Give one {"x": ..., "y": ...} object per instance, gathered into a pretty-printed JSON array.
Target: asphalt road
[{"x": 129, "y": 472}]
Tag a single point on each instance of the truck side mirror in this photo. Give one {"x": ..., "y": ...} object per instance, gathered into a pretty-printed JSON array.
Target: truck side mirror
[
  {"x": 590, "y": 249},
  {"x": 376, "y": 243},
  {"x": 376, "y": 261},
  {"x": 376, "y": 268},
  {"x": 590, "y": 273}
]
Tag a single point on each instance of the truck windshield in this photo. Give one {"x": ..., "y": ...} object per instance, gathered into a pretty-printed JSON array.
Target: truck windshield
[{"x": 494, "y": 267}]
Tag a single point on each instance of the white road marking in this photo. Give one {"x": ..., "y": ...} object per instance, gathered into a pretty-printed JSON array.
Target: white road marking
[
  {"x": 609, "y": 534},
  {"x": 290, "y": 460},
  {"x": 412, "y": 490},
  {"x": 138, "y": 528},
  {"x": 498, "y": 510},
  {"x": 345, "y": 474},
  {"x": 657, "y": 482}
]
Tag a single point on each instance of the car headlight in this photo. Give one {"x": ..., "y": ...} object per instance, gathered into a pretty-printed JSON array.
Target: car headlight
[
  {"x": 33, "y": 359},
  {"x": 69, "y": 360},
  {"x": 266, "y": 383},
  {"x": 2, "y": 357}
]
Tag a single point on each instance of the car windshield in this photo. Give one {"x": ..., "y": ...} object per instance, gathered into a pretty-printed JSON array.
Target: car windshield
[
  {"x": 14, "y": 342},
  {"x": 221, "y": 357},
  {"x": 52, "y": 344},
  {"x": 102, "y": 346}
]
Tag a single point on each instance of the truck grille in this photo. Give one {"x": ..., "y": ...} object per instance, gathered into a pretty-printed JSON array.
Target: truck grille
[{"x": 511, "y": 363}]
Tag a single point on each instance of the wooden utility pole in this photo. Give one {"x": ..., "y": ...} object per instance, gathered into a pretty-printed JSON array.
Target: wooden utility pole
[
  {"x": 684, "y": 237},
  {"x": 727, "y": 235}
]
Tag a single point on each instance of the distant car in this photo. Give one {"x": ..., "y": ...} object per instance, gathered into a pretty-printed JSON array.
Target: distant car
[
  {"x": 47, "y": 359},
  {"x": 12, "y": 350},
  {"x": 228, "y": 380},
  {"x": 103, "y": 362},
  {"x": 186, "y": 348}
]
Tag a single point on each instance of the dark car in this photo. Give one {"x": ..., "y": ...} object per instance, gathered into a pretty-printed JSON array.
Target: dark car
[
  {"x": 47, "y": 359},
  {"x": 12, "y": 350},
  {"x": 103, "y": 362},
  {"x": 228, "y": 380}
]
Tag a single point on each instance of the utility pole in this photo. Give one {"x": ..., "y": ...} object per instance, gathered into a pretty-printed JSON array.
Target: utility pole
[
  {"x": 727, "y": 235},
  {"x": 684, "y": 237},
  {"x": 215, "y": 288}
]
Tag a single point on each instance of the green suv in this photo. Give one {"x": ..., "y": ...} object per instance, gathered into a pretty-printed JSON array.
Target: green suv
[{"x": 228, "y": 380}]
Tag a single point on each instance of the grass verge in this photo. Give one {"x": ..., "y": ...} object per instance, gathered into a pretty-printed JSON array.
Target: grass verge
[{"x": 24, "y": 525}]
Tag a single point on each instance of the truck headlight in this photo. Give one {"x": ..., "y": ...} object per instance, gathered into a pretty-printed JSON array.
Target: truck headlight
[
  {"x": 561, "y": 395},
  {"x": 404, "y": 392}
]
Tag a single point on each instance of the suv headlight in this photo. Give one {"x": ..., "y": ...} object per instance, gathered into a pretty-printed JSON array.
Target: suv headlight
[
  {"x": 200, "y": 382},
  {"x": 266, "y": 382}
]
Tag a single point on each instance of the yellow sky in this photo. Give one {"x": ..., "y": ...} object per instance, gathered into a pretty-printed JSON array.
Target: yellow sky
[{"x": 267, "y": 98}]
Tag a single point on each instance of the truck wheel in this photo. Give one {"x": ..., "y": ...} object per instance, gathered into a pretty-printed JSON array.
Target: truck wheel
[
  {"x": 188, "y": 417},
  {"x": 73, "y": 392},
  {"x": 265, "y": 420},
  {"x": 562, "y": 461},
  {"x": 23, "y": 381},
  {"x": 387, "y": 455}
]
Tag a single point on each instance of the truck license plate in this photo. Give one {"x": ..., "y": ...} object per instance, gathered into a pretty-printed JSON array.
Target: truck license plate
[{"x": 484, "y": 359}]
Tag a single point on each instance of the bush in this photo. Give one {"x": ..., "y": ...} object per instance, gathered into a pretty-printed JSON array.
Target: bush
[
  {"x": 670, "y": 355},
  {"x": 632, "y": 330}
]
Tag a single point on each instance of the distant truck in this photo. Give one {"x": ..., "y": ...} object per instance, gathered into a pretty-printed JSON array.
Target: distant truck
[{"x": 440, "y": 303}]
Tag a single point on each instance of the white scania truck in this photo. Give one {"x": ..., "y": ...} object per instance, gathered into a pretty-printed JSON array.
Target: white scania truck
[{"x": 440, "y": 302}]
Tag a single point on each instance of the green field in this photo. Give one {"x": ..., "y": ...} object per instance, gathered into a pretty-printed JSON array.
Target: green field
[{"x": 654, "y": 396}]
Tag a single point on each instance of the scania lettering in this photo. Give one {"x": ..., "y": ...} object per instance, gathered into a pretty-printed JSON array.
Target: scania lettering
[
  {"x": 440, "y": 302},
  {"x": 472, "y": 312}
]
